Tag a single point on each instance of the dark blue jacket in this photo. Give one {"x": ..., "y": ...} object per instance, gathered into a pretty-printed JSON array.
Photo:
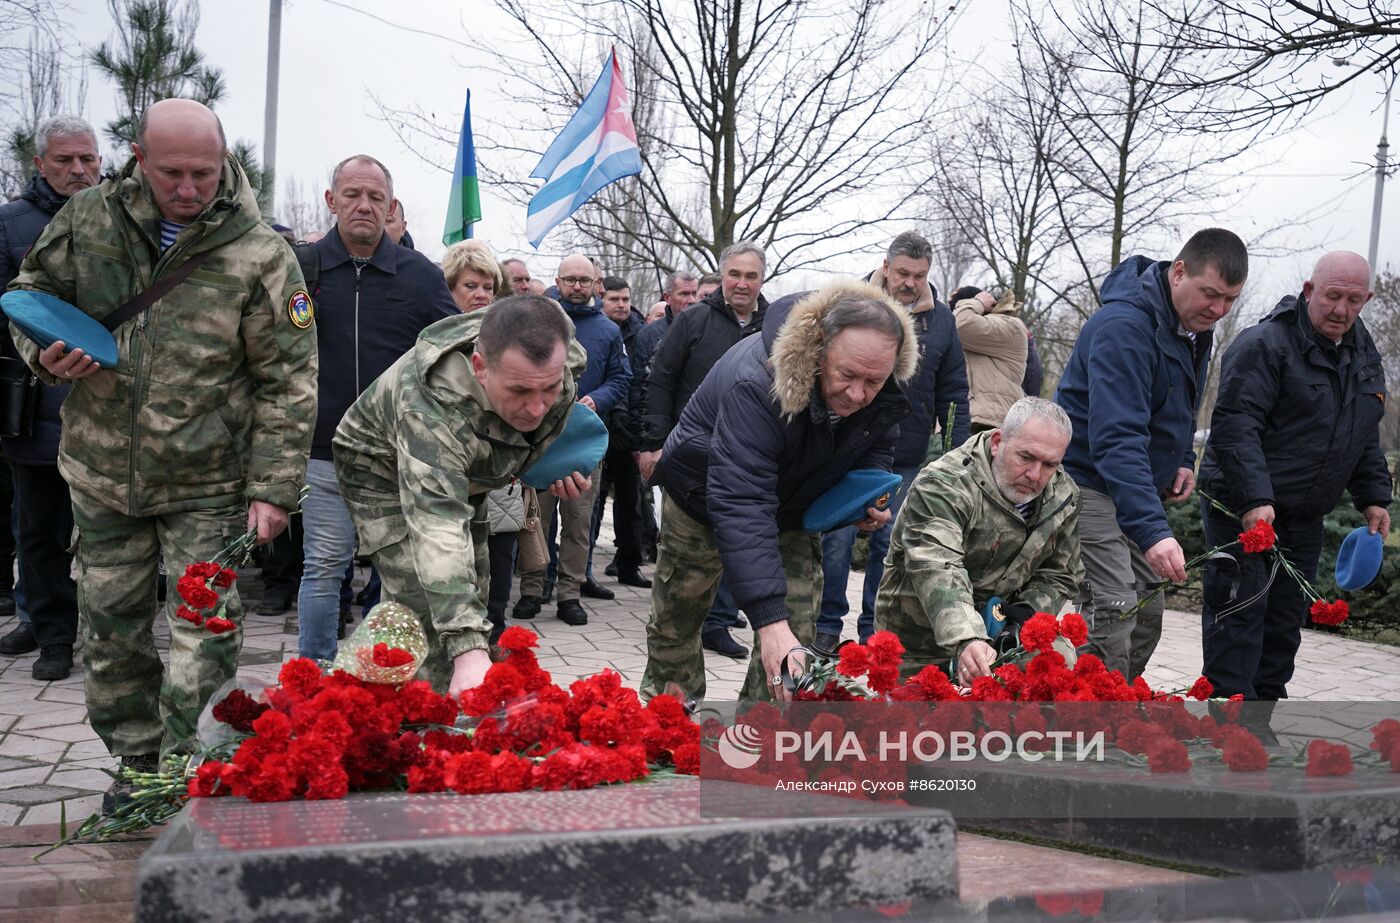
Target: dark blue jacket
[
  {"x": 605, "y": 377},
  {"x": 625, "y": 422},
  {"x": 1131, "y": 389},
  {"x": 366, "y": 318},
  {"x": 1297, "y": 420},
  {"x": 21, "y": 223},
  {"x": 940, "y": 381},
  {"x": 740, "y": 463}
]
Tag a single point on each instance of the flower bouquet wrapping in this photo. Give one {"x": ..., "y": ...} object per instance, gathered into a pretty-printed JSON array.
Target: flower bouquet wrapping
[{"x": 388, "y": 646}]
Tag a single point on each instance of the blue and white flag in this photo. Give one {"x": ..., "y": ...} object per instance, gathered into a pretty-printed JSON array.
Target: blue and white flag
[{"x": 597, "y": 147}]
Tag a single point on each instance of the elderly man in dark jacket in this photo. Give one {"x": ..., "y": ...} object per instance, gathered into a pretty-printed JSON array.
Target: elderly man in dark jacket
[
  {"x": 373, "y": 297},
  {"x": 1131, "y": 389},
  {"x": 66, "y": 162},
  {"x": 694, "y": 342},
  {"x": 778, "y": 421},
  {"x": 939, "y": 384},
  {"x": 1297, "y": 422}
]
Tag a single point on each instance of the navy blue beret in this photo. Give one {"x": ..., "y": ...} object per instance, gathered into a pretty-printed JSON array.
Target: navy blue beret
[
  {"x": 846, "y": 503},
  {"x": 580, "y": 447},
  {"x": 1359, "y": 559},
  {"x": 46, "y": 320}
]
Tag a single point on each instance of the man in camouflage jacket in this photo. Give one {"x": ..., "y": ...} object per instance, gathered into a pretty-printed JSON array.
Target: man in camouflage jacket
[
  {"x": 416, "y": 455},
  {"x": 995, "y": 517},
  {"x": 201, "y": 430}
]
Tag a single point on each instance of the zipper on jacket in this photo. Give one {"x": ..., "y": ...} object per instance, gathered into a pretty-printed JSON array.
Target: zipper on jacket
[{"x": 358, "y": 269}]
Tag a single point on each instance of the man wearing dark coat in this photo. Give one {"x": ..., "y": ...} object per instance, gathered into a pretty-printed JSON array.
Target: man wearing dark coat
[{"x": 1297, "y": 422}]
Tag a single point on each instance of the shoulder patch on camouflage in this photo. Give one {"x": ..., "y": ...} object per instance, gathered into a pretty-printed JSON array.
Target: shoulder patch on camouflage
[{"x": 300, "y": 310}]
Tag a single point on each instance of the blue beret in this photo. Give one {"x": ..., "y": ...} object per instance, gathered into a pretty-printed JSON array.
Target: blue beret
[
  {"x": 580, "y": 447},
  {"x": 846, "y": 503},
  {"x": 1359, "y": 559},
  {"x": 46, "y": 320},
  {"x": 992, "y": 617}
]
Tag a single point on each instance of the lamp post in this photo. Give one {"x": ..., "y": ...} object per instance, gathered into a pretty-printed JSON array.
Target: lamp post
[
  {"x": 274, "y": 55},
  {"x": 1382, "y": 148}
]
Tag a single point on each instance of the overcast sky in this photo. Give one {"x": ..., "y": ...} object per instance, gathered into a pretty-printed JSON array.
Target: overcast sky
[{"x": 422, "y": 53}]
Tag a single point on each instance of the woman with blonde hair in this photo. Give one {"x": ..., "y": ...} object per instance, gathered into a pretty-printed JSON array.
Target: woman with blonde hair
[{"x": 473, "y": 274}]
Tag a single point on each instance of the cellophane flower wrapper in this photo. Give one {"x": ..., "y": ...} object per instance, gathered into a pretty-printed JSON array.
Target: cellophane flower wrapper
[{"x": 396, "y": 627}]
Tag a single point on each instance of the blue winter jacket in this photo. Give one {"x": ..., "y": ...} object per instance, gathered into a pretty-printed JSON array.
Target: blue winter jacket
[
  {"x": 940, "y": 382},
  {"x": 606, "y": 376},
  {"x": 1131, "y": 389}
]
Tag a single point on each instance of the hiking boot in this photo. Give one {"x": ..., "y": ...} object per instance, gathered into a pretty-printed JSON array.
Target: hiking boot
[
  {"x": 121, "y": 789},
  {"x": 19, "y": 641},
  {"x": 721, "y": 642},
  {"x": 273, "y": 604},
  {"x": 527, "y": 607},
  {"x": 571, "y": 612},
  {"x": 55, "y": 662}
]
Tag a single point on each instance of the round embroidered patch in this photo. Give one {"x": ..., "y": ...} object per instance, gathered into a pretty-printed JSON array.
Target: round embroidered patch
[{"x": 299, "y": 309}]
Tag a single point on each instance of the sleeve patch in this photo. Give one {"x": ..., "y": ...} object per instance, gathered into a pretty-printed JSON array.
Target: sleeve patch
[{"x": 300, "y": 310}]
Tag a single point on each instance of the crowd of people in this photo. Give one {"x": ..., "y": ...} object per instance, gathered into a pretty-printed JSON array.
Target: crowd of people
[{"x": 404, "y": 398}]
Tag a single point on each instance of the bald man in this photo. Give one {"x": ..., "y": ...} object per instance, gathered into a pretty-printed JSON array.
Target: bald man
[
  {"x": 1297, "y": 422},
  {"x": 198, "y": 434}
]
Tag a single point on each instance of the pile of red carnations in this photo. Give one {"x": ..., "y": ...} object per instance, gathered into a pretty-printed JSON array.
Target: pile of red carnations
[
  {"x": 1146, "y": 725},
  {"x": 517, "y": 731}
]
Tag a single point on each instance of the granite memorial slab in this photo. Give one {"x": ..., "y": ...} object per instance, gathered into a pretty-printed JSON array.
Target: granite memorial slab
[{"x": 632, "y": 852}]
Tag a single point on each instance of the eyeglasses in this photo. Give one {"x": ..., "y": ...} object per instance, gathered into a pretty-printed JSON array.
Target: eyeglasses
[{"x": 571, "y": 280}]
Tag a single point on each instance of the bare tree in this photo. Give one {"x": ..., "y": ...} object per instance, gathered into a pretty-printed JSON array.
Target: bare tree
[
  {"x": 43, "y": 93},
  {"x": 304, "y": 211},
  {"x": 796, "y": 121},
  {"x": 1280, "y": 53}
]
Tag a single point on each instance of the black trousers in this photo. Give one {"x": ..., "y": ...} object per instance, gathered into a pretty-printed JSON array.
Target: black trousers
[
  {"x": 1250, "y": 651},
  {"x": 8, "y": 536},
  {"x": 620, "y": 475},
  {"x": 282, "y": 562},
  {"x": 45, "y": 535},
  {"x": 501, "y": 548}
]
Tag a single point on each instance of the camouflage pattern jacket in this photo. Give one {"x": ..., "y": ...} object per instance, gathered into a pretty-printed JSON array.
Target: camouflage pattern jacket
[
  {"x": 958, "y": 542},
  {"x": 416, "y": 455},
  {"x": 214, "y": 395}
]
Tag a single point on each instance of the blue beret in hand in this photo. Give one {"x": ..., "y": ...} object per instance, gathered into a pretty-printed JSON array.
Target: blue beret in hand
[
  {"x": 46, "y": 320},
  {"x": 846, "y": 503},
  {"x": 1359, "y": 560},
  {"x": 580, "y": 447}
]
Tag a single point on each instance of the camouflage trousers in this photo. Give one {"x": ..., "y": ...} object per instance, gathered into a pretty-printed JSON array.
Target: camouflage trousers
[
  {"x": 136, "y": 704},
  {"x": 384, "y": 537},
  {"x": 687, "y": 575}
]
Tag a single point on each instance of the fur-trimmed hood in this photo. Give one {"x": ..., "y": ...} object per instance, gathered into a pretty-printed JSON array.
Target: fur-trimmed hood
[{"x": 793, "y": 337}]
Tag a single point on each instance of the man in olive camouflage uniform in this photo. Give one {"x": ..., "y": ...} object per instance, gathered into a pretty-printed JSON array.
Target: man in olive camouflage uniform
[
  {"x": 995, "y": 517},
  {"x": 201, "y": 430},
  {"x": 475, "y": 402}
]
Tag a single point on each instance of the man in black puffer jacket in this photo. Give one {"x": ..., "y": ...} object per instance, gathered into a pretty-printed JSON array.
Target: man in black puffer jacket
[
  {"x": 1297, "y": 422},
  {"x": 67, "y": 162},
  {"x": 780, "y": 419}
]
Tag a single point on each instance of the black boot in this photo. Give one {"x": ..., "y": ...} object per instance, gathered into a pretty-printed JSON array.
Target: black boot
[{"x": 19, "y": 641}]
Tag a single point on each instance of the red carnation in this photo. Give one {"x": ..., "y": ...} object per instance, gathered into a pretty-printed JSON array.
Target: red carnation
[
  {"x": 239, "y": 710},
  {"x": 1040, "y": 632},
  {"x": 206, "y": 781},
  {"x": 1385, "y": 735},
  {"x": 1243, "y": 752},
  {"x": 1328, "y": 759},
  {"x": 855, "y": 660},
  {"x": 1333, "y": 613},
  {"x": 193, "y": 591},
  {"x": 224, "y": 578},
  {"x": 1201, "y": 689},
  {"x": 386, "y": 656},
  {"x": 1074, "y": 629},
  {"x": 1259, "y": 537},
  {"x": 189, "y": 615},
  {"x": 516, "y": 638},
  {"x": 219, "y": 625},
  {"x": 202, "y": 570},
  {"x": 1165, "y": 754}
]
